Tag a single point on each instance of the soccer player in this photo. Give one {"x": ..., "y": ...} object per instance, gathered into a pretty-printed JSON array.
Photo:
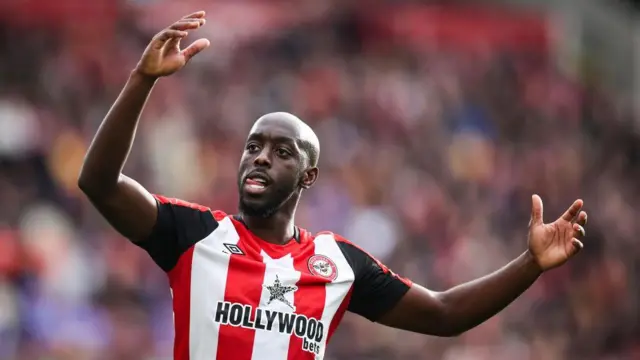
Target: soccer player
[{"x": 255, "y": 286}]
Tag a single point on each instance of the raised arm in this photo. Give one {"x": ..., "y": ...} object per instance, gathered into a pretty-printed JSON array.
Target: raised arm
[
  {"x": 124, "y": 203},
  {"x": 463, "y": 307}
]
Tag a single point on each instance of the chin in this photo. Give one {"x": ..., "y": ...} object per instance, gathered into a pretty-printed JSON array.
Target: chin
[{"x": 256, "y": 208}]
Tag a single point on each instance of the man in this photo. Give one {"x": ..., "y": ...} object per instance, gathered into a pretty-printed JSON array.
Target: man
[{"x": 255, "y": 286}]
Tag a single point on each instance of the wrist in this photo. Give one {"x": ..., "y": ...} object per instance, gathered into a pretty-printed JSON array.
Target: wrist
[
  {"x": 531, "y": 263},
  {"x": 138, "y": 76}
]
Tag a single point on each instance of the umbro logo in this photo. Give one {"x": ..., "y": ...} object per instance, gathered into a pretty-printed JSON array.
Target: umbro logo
[{"x": 233, "y": 249}]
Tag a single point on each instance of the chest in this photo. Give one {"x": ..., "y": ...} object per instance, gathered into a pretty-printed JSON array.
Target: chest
[
  {"x": 231, "y": 267},
  {"x": 305, "y": 280},
  {"x": 230, "y": 289}
]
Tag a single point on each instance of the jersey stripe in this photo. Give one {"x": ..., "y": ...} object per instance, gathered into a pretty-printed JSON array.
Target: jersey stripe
[
  {"x": 244, "y": 286},
  {"x": 180, "y": 281},
  {"x": 237, "y": 297},
  {"x": 310, "y": 293},
  {"x": 338, "y": 290},
  {"x": 277, "y": 342},
  {"x": 339, "y": 314},
  {"x": 210, "y": 266}
]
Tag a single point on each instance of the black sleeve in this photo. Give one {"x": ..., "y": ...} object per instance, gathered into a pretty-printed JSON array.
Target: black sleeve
[
  {"x": 376, "y": 289},
  {"x": 179, "y": 226}
]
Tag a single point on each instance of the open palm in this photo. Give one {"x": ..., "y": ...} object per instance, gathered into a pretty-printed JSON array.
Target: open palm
[
  {"x": 163, "y": 55},
  {"x": 553, "y": 244}
]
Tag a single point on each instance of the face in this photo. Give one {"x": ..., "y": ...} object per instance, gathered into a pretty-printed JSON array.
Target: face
[{"x": 272, "y": 169}]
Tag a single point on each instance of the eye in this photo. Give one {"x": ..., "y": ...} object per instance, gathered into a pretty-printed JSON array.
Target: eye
[
  {"x": 282, "y": 152},
  {"x": 252, "y": 148}
]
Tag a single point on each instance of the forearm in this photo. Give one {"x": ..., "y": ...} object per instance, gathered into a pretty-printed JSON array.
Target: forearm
[
  {"x": 468, "y": 305},
  {"x": 111, "y": 145}
]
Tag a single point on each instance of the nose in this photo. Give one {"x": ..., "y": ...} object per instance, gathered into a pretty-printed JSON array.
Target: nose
[{"x": 263, "y": 158}]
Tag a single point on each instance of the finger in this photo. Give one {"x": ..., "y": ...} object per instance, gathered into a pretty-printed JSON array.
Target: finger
[
  {"x": 166, "y": 35},
  {"x": 572, "y": 211},
  {"x": 582, "y": 219},
  {"x": 576, "y": 247},
  {"x": 536, "y": 210},
  {"x": 195, "y": 48},
  {"x": 578, "y": 231},
  {"x": 173, "y": 43},
  {"x": 196, "y": 15},
  {"x": 188, "y": 24},
  {"x": 183, "y": 25}
]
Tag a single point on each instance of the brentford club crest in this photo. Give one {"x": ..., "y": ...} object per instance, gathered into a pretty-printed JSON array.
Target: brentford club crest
[{"x": 322, "y": 266}]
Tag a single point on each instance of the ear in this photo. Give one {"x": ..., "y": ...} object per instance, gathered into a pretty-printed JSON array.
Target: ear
[{"x": 309, "y": 177}]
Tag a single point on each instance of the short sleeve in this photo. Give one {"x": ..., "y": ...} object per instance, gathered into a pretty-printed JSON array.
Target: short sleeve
[
  {"x": 376, "y": 289},
  {"x": 179, "y": 226}
]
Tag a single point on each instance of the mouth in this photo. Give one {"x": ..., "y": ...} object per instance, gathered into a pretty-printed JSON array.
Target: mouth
[{"x": 256, "y": 183}]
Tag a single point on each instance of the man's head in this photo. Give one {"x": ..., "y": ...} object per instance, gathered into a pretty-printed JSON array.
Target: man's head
[{"x": 280, "y": 159}]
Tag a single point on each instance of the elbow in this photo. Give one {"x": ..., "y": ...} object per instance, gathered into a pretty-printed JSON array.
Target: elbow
[
  {"x": 83, "y": 184},
  {"x": 450, "y": 323},
  {"x": 86, "y": 184},
  {"x": 446, "y": 329},
  {"x": 88, "y": 188},
  {"x": 441, "y": 329},
  {"x": 84, "y": 177},
  {"x": 92, "y": 186},
  {"x": 451, "y": 332},
  {"x": 451, "y": 327}
]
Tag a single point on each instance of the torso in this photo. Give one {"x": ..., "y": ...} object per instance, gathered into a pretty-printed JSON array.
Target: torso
[
  {"x": 238, "y": 297},
  {"x": 249, "y": 299}
]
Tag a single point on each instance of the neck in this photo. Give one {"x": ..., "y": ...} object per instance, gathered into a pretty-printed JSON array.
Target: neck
[{"x": 277, "y": 229}]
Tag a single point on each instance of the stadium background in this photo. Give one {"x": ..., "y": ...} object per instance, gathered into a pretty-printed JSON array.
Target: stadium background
[{"x": 437, "y": 123}]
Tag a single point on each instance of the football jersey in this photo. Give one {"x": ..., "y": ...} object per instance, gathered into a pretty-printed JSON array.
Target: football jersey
[{"x": 238, "y": 297}]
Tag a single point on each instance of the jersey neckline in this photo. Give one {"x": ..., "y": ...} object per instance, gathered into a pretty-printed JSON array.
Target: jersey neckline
[{"x": 295, "y": 239}]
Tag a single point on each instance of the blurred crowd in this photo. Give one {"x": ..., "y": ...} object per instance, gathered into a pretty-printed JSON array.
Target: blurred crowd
[{"x": 429, "y": 160}]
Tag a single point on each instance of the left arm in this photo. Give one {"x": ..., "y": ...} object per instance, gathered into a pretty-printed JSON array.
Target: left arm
[{"x": 452, "y": 312}]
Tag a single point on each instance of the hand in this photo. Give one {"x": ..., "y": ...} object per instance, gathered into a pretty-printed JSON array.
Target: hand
[
  {"x": 163, "y": 56},
  {"x": 551, "y": 245}
]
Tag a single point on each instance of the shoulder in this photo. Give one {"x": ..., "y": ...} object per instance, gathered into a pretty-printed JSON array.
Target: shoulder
[
  {"x": 361, "y": 259},
  {"x": 324, "y": 237},
  {"x": 164, "y": 200},
  {"x": 350, "y": 249},
  {"x": 179, "y": 226},
  {"x": 376, "y": 289},
  {"x": 184, "y": 219},
  {"x": 354, "y": 255},
  {"x": 218, "y": 215}
]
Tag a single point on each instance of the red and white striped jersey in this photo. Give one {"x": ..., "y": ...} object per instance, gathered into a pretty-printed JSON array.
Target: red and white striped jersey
[{"x": 238, "y": 297}]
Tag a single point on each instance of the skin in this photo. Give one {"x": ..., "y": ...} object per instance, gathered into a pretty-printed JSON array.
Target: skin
[{"x": 274, "y": 148}]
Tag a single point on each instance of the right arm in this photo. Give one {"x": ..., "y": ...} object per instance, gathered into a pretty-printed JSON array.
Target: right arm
[{"x": 124, "y": 203}]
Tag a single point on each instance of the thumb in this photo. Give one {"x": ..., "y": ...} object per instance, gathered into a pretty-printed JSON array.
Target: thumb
[
  {"x": 536, "y": 210},
  {"x": 195, "y": 48}
]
